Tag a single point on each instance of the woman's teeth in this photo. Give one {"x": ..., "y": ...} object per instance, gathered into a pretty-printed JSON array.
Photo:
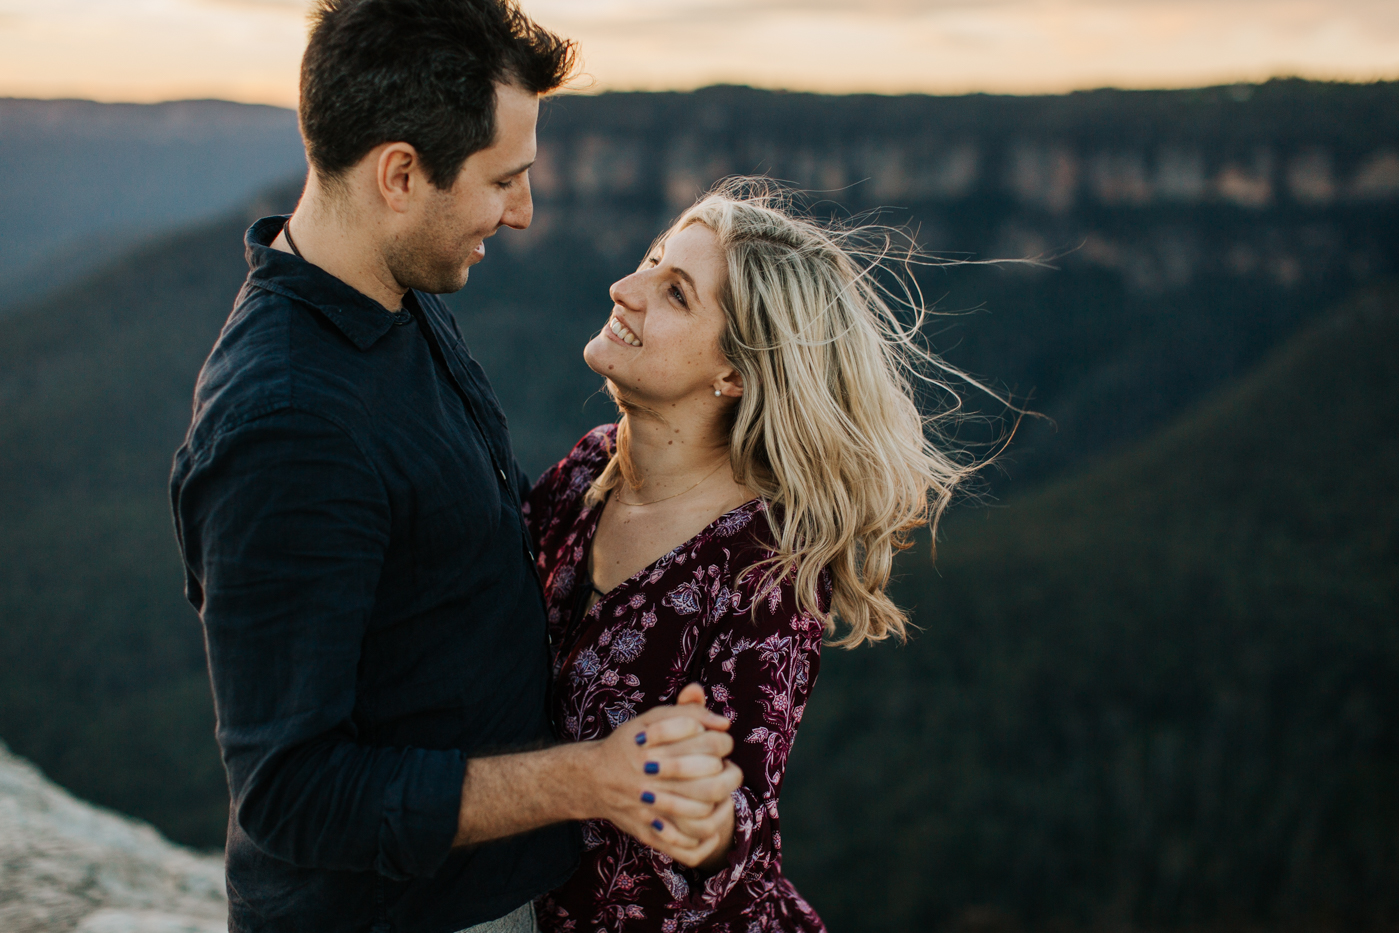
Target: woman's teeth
[{"x": 622, "y": 331}]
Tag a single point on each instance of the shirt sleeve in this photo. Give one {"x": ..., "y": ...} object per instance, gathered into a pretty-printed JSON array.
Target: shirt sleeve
[
  {"x": 759, "y": 673},
  {"x": 284, "y": 526}
]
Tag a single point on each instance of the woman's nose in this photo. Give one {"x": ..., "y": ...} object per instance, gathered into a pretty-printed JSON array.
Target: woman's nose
[{"x": 625, "y": 293}]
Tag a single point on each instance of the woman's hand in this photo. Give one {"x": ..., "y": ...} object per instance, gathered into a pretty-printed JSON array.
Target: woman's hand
[
  {"x": 717, "y": 829},
  {"x": 662, "y": 778}
]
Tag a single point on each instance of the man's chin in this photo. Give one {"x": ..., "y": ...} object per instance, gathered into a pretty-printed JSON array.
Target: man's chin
[{"x": 445, "y": 283}]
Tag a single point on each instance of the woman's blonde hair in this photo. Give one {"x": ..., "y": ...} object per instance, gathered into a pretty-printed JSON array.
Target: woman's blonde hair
[{"x": 827, "y": 431}]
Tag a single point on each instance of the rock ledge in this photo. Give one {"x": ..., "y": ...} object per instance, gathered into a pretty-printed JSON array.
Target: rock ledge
[{"x": 66, "y": 865}]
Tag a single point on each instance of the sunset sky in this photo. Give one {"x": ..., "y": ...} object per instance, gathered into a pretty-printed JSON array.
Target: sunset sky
[{"x": 248, "y": 50}]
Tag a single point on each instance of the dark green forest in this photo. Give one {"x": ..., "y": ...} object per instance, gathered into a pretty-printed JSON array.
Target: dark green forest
[
  {"x": 1154, "y": 682},
  {"x": 1164, "y": 691}
]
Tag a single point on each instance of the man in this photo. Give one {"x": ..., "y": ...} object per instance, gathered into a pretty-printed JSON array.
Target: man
[{"x": 349, "y": 511}]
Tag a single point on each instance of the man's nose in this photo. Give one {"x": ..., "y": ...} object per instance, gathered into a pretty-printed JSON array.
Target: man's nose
[{"x": 520, "y": 210}]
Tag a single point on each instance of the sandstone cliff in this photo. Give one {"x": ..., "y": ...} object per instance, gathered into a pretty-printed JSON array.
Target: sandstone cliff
[{"x": 66, "y": 865}]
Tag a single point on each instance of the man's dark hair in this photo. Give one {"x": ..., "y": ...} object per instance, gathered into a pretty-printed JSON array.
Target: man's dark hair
[{"x": 422, "y": 72}]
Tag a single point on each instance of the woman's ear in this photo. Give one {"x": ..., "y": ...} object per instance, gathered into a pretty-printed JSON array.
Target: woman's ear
[{"x": 730, "y": 384}]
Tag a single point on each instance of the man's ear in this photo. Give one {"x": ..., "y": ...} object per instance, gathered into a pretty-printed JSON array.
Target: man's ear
[{"x": 398, "y": 175}]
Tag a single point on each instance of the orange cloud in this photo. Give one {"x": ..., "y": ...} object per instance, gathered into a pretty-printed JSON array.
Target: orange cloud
[{"x": 250, "y": 49}]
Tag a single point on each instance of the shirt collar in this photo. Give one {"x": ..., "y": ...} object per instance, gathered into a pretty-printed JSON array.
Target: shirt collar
[{"x": 359, "y": 317}]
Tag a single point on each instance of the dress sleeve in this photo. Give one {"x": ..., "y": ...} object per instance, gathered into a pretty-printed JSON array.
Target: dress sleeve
[
  {"x": 565, "y": 482},
  {"x": 758, "y": 672},
  {"x": 538, "y": 504}
]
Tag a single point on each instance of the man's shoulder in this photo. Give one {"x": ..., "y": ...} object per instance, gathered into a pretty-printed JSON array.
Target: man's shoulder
[{"x": 273, "y": 355}]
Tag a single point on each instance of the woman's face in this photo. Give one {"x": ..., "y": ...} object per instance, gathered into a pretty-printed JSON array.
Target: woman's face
[{"x": 661, "y": 343}]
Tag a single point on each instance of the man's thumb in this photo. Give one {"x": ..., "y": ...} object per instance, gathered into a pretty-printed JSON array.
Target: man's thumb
[{"x": 693, "y": 693}]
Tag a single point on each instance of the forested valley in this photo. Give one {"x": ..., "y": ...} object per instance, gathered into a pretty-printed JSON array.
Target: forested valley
[{"x": 1156, "y": 679}]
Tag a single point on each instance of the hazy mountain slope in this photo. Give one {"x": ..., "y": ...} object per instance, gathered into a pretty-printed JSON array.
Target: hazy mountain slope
[
  {"x": 104, "y": 681},
  {"x": 66, "y": 865},
  {"x": 99, "y": 178},
  {"x": 1165, "y": 692}
]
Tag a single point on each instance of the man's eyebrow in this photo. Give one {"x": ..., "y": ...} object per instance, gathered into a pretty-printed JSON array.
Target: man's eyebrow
[{"x": 513, "y": 172}]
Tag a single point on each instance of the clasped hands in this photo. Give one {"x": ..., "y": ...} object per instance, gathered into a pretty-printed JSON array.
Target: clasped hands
[{"x": 664, "y": 778}]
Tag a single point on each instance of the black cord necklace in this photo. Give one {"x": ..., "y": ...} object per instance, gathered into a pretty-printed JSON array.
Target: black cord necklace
[
  {"x": 400, "y": 317},
  {"x": 286, "y": 232}
]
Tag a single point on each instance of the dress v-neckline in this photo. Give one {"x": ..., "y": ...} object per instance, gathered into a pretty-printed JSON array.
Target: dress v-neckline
[
  {"x": 594, "y": 518},
  {"x": 573, "y": 637}
]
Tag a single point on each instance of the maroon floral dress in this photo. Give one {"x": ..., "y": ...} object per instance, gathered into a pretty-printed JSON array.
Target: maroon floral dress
[{"x": 684, "y": 618}]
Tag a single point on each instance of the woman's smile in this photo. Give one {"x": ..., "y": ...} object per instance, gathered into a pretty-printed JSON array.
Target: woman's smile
[{"x": 618, "y": 330}]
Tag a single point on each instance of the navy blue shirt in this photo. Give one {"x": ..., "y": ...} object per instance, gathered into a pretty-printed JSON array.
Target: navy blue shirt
[{"x": 349, "y": 511}]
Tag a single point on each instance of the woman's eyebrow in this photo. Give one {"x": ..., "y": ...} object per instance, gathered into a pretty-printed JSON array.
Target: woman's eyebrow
[{"x": 689, "y": 279}]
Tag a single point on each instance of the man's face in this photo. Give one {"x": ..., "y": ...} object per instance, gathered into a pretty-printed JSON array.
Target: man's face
[{"x": 491, "y": 191}]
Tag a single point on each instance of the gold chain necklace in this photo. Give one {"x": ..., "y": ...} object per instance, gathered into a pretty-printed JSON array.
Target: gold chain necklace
[{"x": 682, "y": 492}]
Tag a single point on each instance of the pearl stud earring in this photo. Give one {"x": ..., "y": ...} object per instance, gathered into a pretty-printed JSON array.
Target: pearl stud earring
[{"x": 717, "y": 393}]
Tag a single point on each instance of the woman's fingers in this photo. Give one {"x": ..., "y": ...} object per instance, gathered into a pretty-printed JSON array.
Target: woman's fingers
[
  {"x": 677, "y": 807},
  {"x": 691, "y": 856},
  {"x": 683, "y": 767},
  {"x": 696, "y": 711},
  {"x": 704, "y": 742},
  {"x": 665, "y": 835},
  {"x": 702, "y": 827},
  {"x": 712, "y": 789},
  {"x": 672, "y": 729}
]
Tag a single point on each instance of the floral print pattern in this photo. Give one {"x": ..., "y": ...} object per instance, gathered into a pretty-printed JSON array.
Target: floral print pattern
[{"x": 687, "y": 617}]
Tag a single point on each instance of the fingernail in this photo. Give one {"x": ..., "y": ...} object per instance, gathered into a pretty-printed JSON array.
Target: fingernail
[
  {"x": 641, "y": 738},
  {"x": 648, "y": 797},
  {"x": 653, "y": 767},
  {"x": 657, "y": 825}
]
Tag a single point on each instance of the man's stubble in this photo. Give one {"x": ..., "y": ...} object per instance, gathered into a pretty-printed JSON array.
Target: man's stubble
[{"x": 431, "y": 258}]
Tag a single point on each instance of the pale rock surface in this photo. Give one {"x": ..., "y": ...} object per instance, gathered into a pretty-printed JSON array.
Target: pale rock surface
[{"x": 66, "y": 865}]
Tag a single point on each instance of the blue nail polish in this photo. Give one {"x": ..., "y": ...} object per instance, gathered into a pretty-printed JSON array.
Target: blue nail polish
[
  {"x": 641, "y": 738},
  {"x": 657, "y": 825},
  {"x": 648, "y": 797},
  {"x": 653, "y": 768}
]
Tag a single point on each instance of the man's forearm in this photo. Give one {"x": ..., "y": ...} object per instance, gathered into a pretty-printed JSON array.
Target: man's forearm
[
  {"x": 662, "y": 768},
  {"x": 510, "y": 794}
]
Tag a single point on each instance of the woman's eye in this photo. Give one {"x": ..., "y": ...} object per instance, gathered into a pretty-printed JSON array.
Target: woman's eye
[{"x": 677, "y": 294}]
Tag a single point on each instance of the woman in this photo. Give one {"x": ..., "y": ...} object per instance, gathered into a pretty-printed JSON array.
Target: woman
[{"x": 768, "y": 462}]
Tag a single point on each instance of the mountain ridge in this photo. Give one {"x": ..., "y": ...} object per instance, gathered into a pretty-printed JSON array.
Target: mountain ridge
[{"x": 99, "y": 178}]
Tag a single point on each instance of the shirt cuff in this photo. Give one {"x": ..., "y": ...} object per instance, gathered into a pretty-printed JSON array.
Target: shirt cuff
[{"x": 422, "y": 809}]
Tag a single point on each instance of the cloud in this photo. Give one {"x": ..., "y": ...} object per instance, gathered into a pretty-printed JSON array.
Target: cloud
[
  {"x": 250, "y": 49},
  {"x": 297, "y": 6},
  {"x": 1012, "y": 46}
]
